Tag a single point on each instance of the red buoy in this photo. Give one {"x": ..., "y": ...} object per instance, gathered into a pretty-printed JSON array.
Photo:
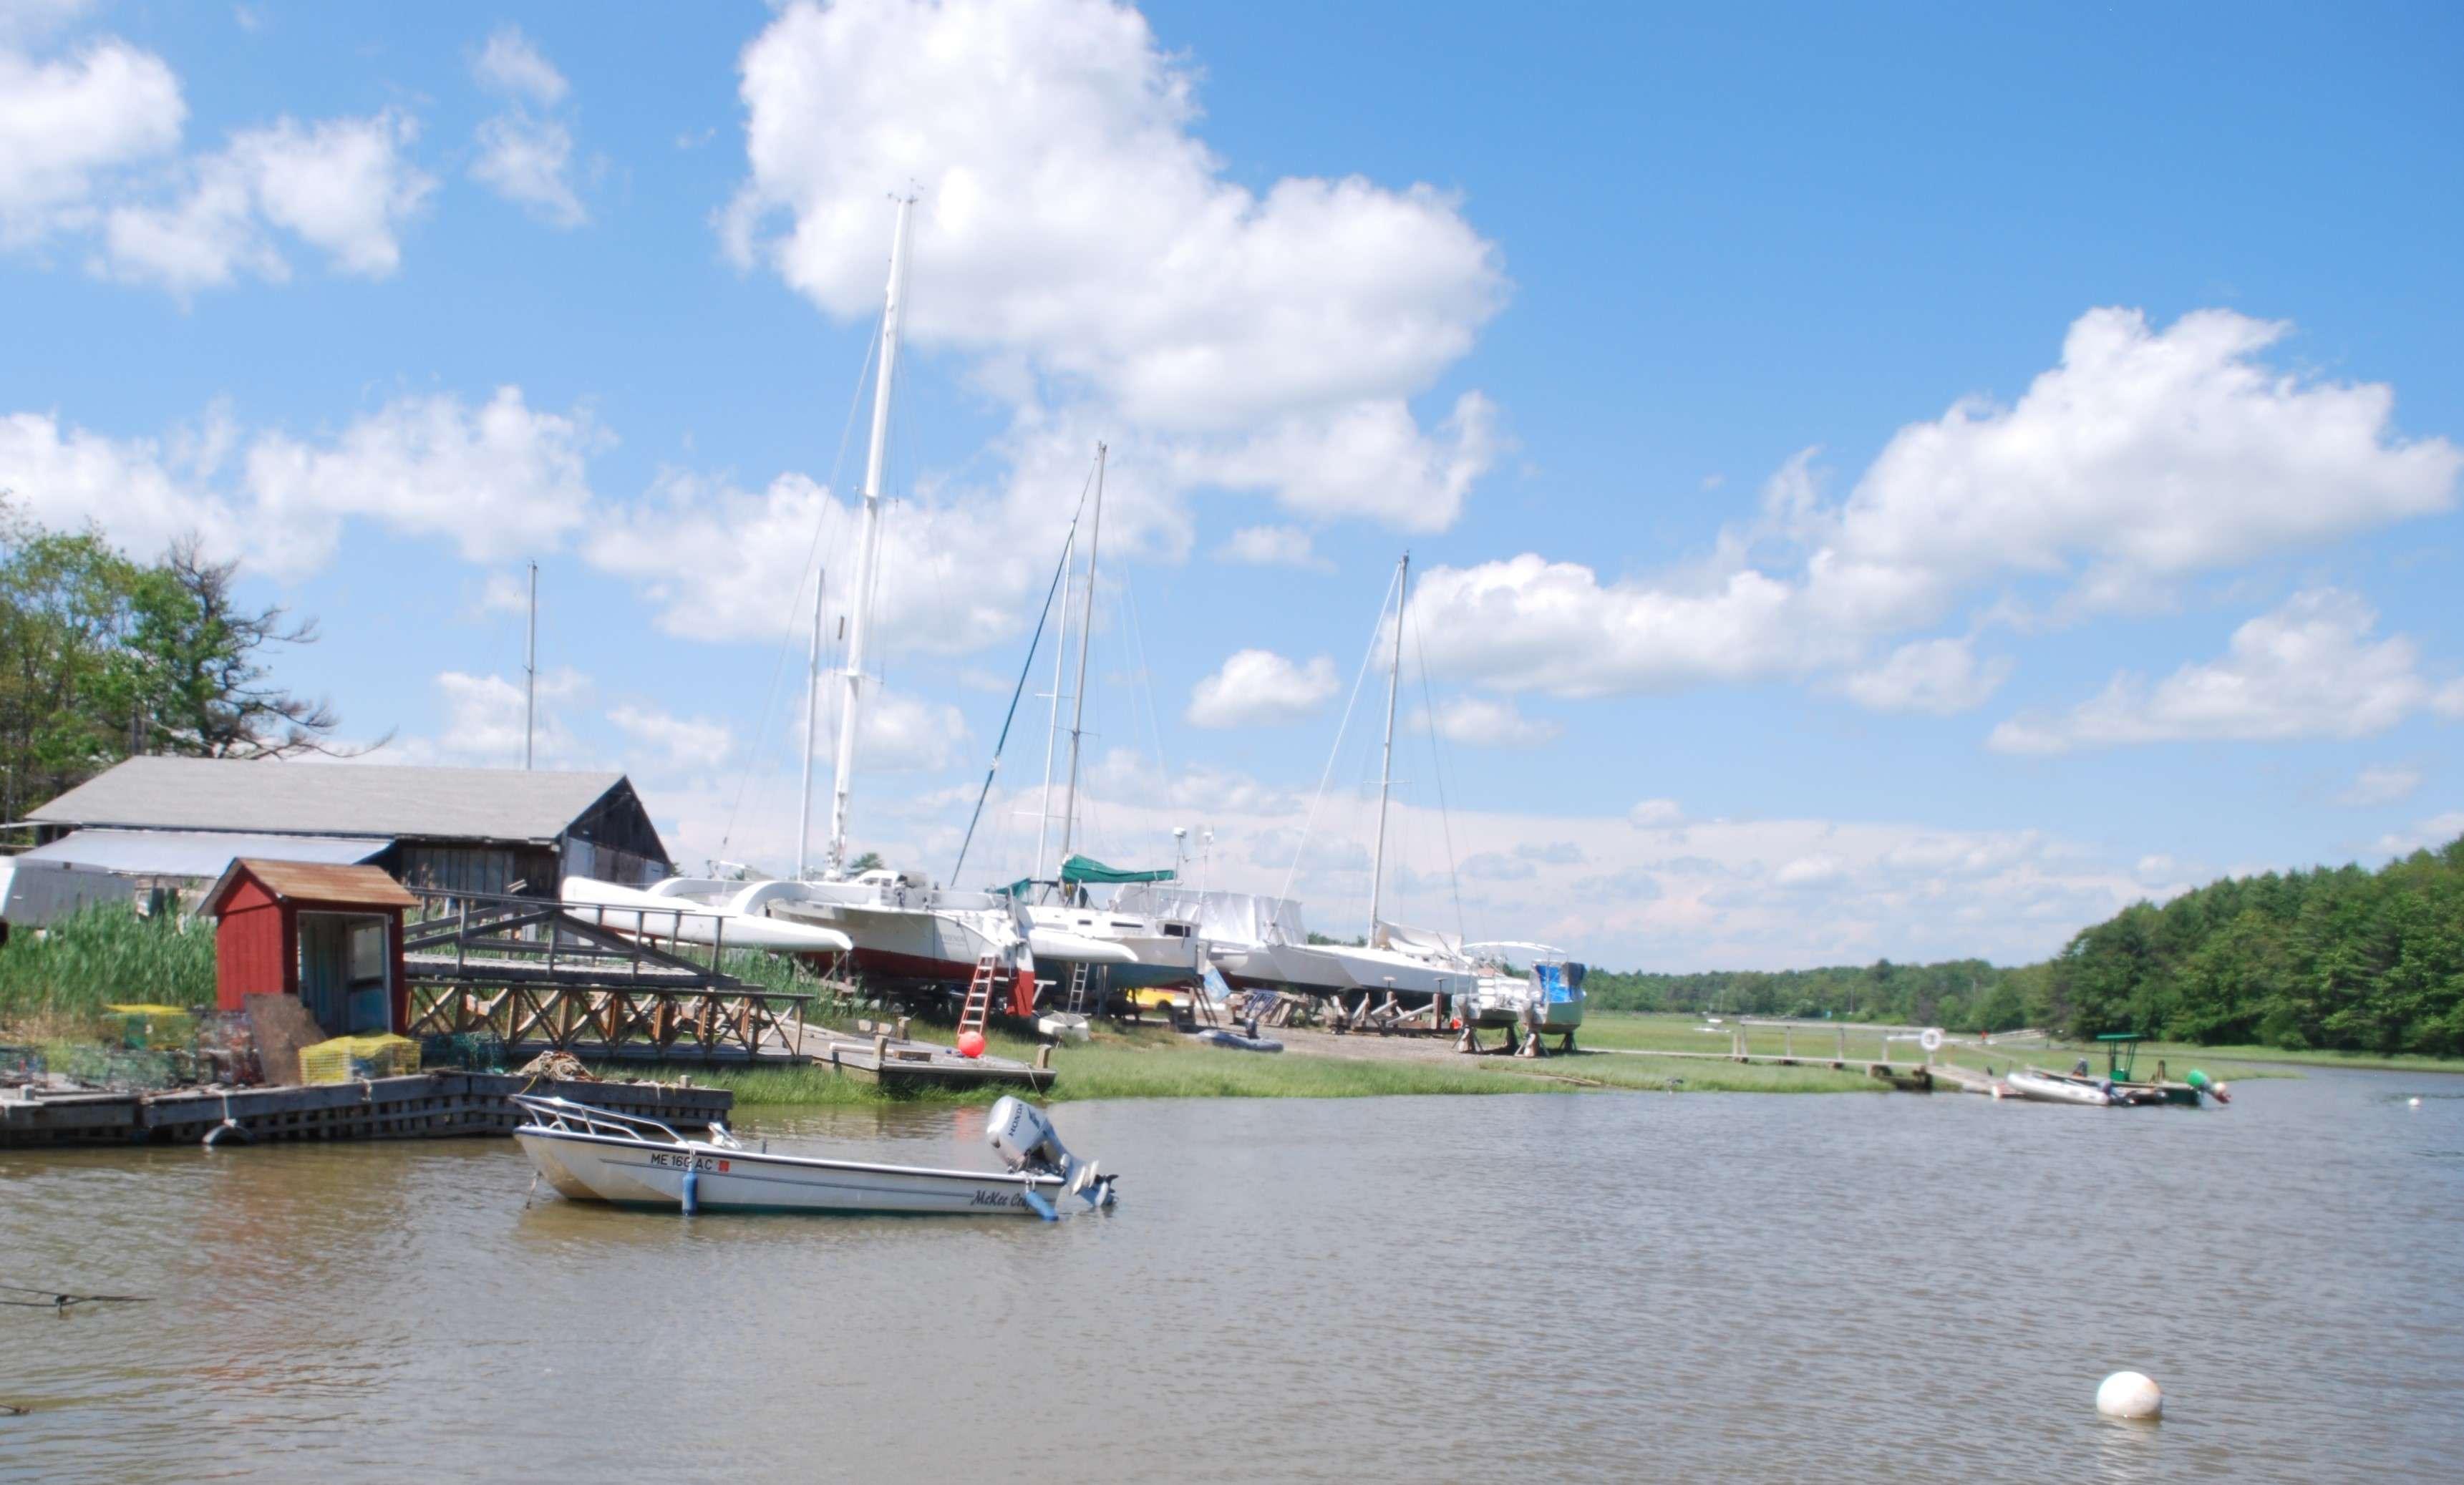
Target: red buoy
[{"x": 971, "y": 1043}]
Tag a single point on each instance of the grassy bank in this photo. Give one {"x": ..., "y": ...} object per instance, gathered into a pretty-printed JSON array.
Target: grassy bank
[{"x": 1152, "y": 1062}]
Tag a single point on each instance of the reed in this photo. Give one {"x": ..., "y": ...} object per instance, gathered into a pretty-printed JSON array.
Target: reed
[{"x": 63, "y": 976}]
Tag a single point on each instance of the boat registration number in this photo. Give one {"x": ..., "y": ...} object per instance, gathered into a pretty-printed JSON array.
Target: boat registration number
[{"x": 689, "y": 1162}]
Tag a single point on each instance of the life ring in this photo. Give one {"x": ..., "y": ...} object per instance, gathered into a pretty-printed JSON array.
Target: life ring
[{"x": 1930, "y": 1038}]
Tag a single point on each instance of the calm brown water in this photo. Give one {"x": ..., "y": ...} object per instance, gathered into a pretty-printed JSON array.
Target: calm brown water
[{"x": 1715, "y": 1286}]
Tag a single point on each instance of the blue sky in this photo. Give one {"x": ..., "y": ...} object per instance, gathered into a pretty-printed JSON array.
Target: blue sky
[{"x": 1902, "y": 482}]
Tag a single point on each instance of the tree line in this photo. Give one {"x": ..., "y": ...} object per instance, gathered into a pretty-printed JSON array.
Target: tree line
[
  {"x": 2334, "y": 959},
  {"x": 104, "y": 656}
]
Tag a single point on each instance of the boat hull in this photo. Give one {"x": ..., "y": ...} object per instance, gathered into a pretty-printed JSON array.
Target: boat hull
[
  {"x": 2042, "y": 1087},
  {"x": 641, "y": 1173}
]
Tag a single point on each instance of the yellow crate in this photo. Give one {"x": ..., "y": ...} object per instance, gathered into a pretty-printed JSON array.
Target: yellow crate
[{"x": 347, "y": 1058}]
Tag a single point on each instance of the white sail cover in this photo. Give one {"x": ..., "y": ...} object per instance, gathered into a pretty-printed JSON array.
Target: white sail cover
[
  {"x": 1428, "y": 943},
  {"x": 1221, "y": 917}
]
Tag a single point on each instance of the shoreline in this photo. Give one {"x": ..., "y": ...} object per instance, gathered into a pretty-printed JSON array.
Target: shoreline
[{"x": 1617, "y": 1052}]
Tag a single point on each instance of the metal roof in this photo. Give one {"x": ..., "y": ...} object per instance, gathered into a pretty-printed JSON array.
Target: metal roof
[
  {"x": 302, "y": 882},
  {"x": 197, "y": 852},
  {"x": 330, "y": 799}
]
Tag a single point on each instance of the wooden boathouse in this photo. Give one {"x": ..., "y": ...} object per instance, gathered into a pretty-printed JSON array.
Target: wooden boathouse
[{"x": 476, "y": 830}]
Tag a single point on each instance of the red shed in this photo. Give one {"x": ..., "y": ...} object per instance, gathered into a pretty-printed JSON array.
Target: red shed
[{"x": 331, "y": 935}]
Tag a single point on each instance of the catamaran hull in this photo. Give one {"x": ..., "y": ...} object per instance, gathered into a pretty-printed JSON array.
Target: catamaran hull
[
  {"x": 597, "y": 1167},
  {"x": 666, "y": 918}
]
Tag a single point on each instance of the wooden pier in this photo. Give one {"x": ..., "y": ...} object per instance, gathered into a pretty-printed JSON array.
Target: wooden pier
[
  {"x": 1906, "y": 1076},
  {"x": 883, "y": 1054},
  {"x": 417, "y": 1106}
]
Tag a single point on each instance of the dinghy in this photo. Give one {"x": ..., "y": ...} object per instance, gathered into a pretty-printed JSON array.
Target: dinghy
[
  {"x": 2044, "y": 1087},
  {"x": 594, "y": 1154}
]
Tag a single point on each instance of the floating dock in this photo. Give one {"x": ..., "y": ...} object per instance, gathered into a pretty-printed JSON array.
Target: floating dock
[
  {"x": 902, "y": 1062},
  {"x": 417, "y": 1106}
]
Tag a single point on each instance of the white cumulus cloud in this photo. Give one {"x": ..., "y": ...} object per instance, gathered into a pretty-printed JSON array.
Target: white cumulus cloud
[
  {"x": 498, "y": 479},
  {"x": 525, "y": 149},
  {"x": 344, "y": 186},
  {"x": 1487, "y": 722},
  {"x": 1939, "y": 676},
  {"x": 2310, "y": 668},
  {"x": 66, "y": 122},
  {"x": 1077, "y": 236},
  {"x": 1258, "y": 688},
  {"x": 2144, "y": 457}
]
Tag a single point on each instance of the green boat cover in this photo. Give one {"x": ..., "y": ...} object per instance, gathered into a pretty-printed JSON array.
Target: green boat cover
[{"x": 1086, "y": 869}]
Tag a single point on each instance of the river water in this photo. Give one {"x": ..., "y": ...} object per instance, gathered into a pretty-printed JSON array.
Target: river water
[{"x": 1720, "y": 1286}]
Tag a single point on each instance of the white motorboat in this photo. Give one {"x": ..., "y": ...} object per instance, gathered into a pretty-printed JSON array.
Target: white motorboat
[
  {"x": 593, "y": 1154},
  {"x": 1547, "y": 995},
  {"x": 2043, "y": 1088},
  {"x": 735, "y": 921}
]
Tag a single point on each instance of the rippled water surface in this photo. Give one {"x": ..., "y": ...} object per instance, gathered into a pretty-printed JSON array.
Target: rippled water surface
[{"x": 1703, "y": 1286}]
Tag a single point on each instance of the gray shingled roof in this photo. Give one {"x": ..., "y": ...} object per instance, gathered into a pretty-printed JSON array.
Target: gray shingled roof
[{"x": 330, "y": 799}]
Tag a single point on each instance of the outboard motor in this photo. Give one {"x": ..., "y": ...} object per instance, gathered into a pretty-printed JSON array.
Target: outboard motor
[{"x": 1026, "y": 1142}]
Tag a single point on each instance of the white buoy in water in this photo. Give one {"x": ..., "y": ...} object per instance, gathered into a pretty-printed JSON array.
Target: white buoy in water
[
  {"x": 2415, "y": 1102},
  {"x": 2131, "y": 1394}
]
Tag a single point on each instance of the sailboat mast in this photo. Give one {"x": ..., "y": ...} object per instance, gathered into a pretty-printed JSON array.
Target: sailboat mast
[
  {"x": 1052, "y": 727},
  {"x": 869, "y": 552},
  {"x": 812, "y": 730},
  {"x": 1386, "y": 762},
  {"x": 1085, "y": 632}
]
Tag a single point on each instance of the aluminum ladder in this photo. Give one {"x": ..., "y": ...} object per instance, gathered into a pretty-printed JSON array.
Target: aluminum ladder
[
  {"x": 980, "y": 997},
  {"x": 1078, "y": 989}
]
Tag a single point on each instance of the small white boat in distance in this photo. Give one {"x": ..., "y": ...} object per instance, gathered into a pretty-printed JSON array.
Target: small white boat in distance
[
  {"x": 2043, "y": 1088},
  {"x": 592, "y": 1154},
  {"x": 738, "y": 923}
]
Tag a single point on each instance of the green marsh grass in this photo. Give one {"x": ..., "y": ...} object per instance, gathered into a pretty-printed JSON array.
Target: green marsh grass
[{"x": 105, "y": 954}]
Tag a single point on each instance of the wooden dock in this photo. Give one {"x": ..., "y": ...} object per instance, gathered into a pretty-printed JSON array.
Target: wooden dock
[
  {"x": 896, "y": 1061},
  {"x": 417, "y": 1106},
  {"x": 1906, "y": 1076}
]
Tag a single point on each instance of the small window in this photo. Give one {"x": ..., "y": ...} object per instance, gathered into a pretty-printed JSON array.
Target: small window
[{"x": 1176, "y": 930}]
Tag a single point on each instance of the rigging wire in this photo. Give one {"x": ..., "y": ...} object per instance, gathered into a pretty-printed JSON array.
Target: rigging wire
[
  {"x": 795, "y": 604},
  {"x": 1375, "y": 642},
  {"x": 1025, "y": 667}
]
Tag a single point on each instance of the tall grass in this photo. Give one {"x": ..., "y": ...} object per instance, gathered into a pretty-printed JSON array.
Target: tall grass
[{"x": 104, "y": 954}]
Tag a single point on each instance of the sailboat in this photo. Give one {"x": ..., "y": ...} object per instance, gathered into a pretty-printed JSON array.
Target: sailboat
[
  {"x": 1145, "y": 949},
  {"x": 1404, "y": 969},
  {"x": 1254, "y": 941}
]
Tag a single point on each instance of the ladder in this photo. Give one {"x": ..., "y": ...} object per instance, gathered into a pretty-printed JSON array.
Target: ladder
[
  {"x": 1203, "y": 995},
  {"x": 980, "y": 997},
  {"x": 1078, "y": 987}
]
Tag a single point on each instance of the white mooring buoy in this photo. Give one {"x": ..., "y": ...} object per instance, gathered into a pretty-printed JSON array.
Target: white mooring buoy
[
  {"x": 2131, "y": 1394},
  {"x": 2417, "y": 1101}
]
